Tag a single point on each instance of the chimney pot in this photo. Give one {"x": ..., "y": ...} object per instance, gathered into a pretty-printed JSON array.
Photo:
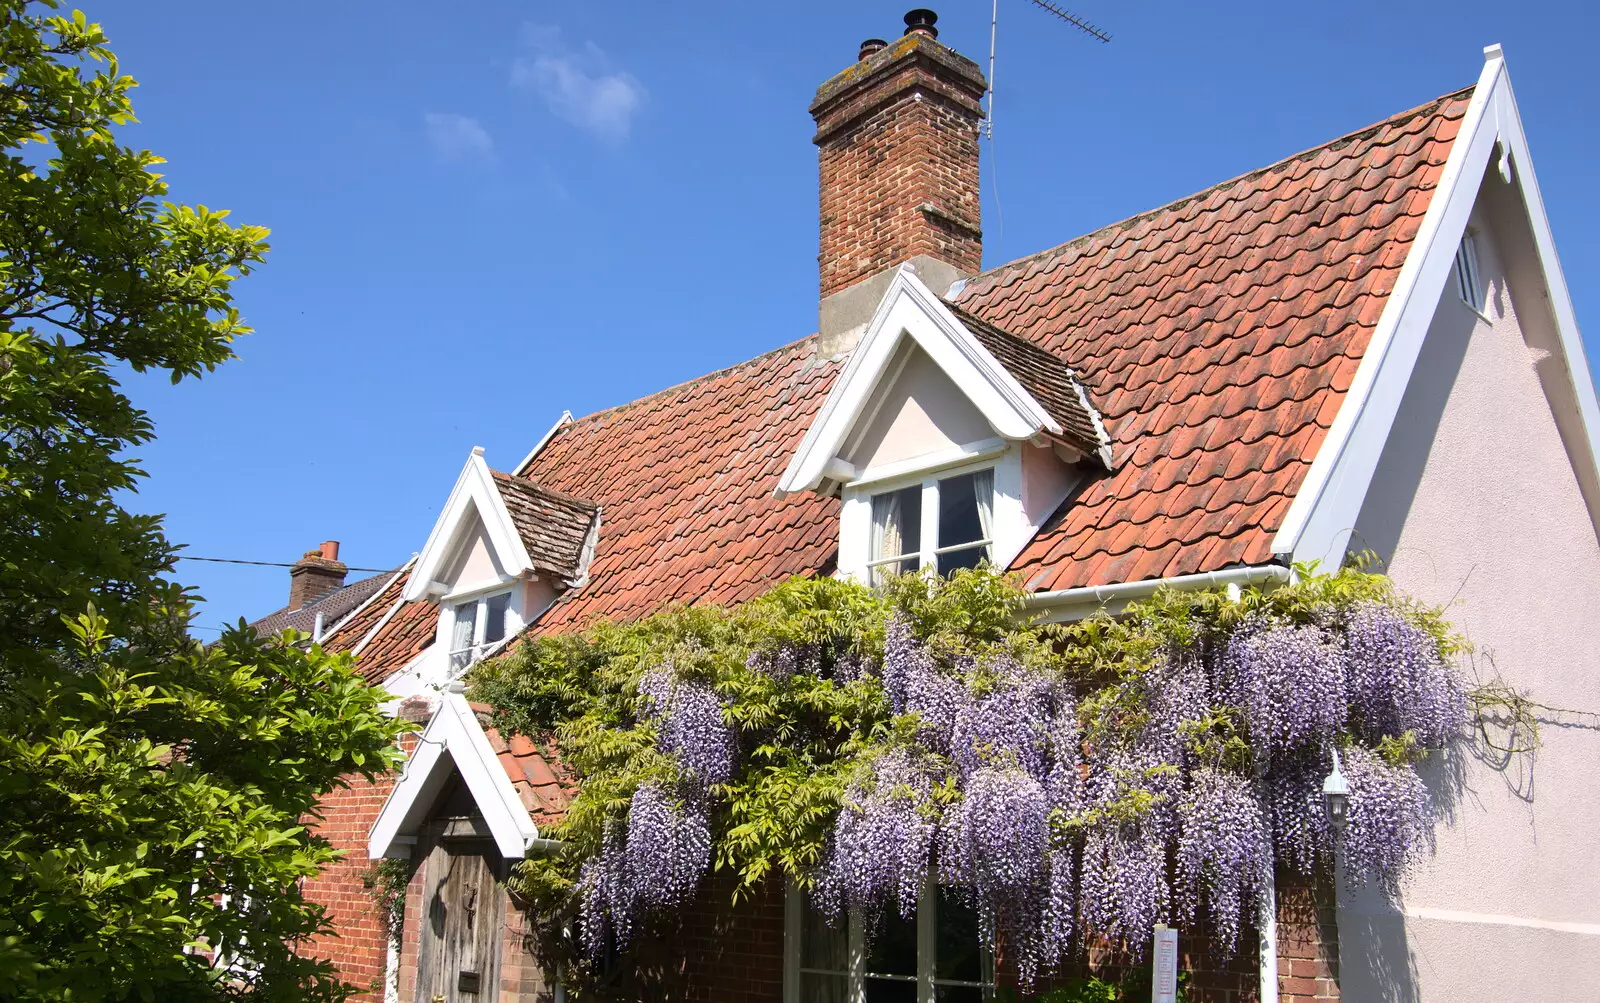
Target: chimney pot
[
  {"x": 921, "y": 22},
  {"x": 330, "y": 550},
  {"x": 871, "y": 46}
]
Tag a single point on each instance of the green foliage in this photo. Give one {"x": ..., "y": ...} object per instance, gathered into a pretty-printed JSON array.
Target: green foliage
[
  {"x": 386, "y": 880},
  {"x": 153, "y": 792},
  {"x": 809, "y": 732}
]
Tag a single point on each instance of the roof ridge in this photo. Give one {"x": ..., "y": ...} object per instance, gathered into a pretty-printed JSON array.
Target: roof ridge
[
  {"x": 686, "y": 383},
  {"x": 1349, "y": 137}
]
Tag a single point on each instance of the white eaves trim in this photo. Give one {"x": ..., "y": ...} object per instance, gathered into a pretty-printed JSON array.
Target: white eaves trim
[
  {"x": 453, "y": 740},
  {"x": 475, "y": 491},
  {"x": 538, "y": 447},
  {"x": 339, "y": 624},
  {"x": 1324, "y": 511},
  {"x": 910, "y": 309}
]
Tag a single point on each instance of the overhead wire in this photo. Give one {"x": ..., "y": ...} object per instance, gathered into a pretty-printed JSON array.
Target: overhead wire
[{"x": 263, "y": 564}]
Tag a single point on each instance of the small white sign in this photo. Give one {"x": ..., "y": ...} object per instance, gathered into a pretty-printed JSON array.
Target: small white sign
[{"x": 1164, "y": 976}]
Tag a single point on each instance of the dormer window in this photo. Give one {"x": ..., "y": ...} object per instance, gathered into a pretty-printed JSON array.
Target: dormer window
[
  {"x": 943, "y": 523},
  {"x": 476, "y": 625}
]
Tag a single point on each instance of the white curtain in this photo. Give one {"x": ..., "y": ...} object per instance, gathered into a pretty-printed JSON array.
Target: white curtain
[
  {"x": 465, "y": 626},
  {"x": 983, "y": 491},
  {"x": 888, "y": 522}
]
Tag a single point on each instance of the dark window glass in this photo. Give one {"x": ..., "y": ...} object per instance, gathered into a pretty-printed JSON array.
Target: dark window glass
[
  {"x": 964, "y": 506},
  {"x": 495, "y": 629},
  {"x": 957, "y": 994},
  {"x": 958, "y": 511},
  {"x": 896, "y": 530},
  {"x": 822, "y": 946},
  {"x": 892, "y": 947},
  {"x": 956, "y": 953},
  {"x": 890, "y": 991},
  {"x": 818, "y": 988}
]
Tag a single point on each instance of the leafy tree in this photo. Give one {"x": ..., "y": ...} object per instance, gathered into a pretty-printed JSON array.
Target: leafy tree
[{"x": 151, "y": 789}]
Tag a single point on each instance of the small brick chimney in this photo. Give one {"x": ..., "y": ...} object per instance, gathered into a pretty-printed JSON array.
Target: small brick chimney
[
  {"x": 898, "y": 135},
  {"x": 315, "y": 575}
]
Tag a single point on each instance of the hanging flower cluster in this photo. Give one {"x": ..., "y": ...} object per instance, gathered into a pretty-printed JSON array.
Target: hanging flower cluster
[{"x": 1070, "y": 782}]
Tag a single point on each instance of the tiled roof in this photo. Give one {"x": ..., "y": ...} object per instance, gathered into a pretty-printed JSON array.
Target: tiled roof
[
  {"x": 686, "y": 480},
  {"x": 409, "y": 628},
  {"x": 553, "y": 525},
  {"x": 333, "y": 605},
  {"x": 545, "y": 786},
  {"x": 1218, "y": 336},
  {"x": 1047, "y": 379}
]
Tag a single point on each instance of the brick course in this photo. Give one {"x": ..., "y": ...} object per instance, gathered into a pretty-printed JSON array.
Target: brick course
[{"x": 358, "y": 945}]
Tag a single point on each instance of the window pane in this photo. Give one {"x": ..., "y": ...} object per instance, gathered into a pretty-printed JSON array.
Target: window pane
[
  {"x": 822, "y": 946},
  {"x": 958, "y": 954},
  {"x": 966, "y": 504},
  {"x": 816, "y": 988},
  {"x": 890, "y": 991},
  {"x": 897, "y": 523},
  {"x": 957, "y": 994},
  {"x": 466, "y": 616},
  {"x": 495, "y": 629},
  {"x": 892, "y": 948},
  {"x": 969, "y": 558}
]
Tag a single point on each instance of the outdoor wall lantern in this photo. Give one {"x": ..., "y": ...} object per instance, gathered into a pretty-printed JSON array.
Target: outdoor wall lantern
[{"x": 1336, "y": 792}]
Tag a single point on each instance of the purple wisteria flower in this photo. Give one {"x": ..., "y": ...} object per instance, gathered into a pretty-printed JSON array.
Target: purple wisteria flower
[
  {"x": 1224, "y": 853},
  {"x": 883, "y": 838},
  {"x": 1290, "y": 683},
  {"x": 1296, "y": 811},
  {"x": 1398, "y": 681},
  {"x": 915, "y": 684},
  {"x": 1011, "y": 723},
  {"x": 1125, "y": 891},
  {"x": 996, "y": 844},
  {"x": 690, "y": 726},
  {"x": 1390, "y": 820},
  {"x": 654, "y": 860}
]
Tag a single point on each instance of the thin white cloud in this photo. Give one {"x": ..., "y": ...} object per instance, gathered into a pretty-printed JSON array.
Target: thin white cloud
[
  {"x": 580, "y": 86},
  {"x": 456, "y": 138}
]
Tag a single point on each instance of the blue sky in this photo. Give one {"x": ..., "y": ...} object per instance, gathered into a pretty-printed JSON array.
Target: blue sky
[{"x": 483, "y": 218}]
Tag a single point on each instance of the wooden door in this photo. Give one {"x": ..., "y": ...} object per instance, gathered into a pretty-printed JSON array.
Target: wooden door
[{"x": 458, "y": 950}]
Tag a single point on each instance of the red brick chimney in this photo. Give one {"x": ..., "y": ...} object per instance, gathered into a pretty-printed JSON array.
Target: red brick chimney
[
  {"x": 315, "y": 575},
  {"x": 898, "y": 134}
]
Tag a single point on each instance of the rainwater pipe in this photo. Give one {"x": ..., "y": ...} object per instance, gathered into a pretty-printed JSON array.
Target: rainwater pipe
[{"x": 1075, "y": 604}]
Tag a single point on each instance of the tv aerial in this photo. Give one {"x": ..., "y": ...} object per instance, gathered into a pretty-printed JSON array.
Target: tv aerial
[{"x": 1083, "y": 25}]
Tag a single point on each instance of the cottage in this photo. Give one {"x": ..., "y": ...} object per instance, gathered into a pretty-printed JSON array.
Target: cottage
[{"x": 1367, "y": 346}]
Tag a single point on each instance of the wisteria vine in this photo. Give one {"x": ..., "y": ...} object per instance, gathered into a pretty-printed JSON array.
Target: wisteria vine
[{"x": 1071, "y": 782}]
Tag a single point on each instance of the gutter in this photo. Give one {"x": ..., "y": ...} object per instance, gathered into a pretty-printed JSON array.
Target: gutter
[{"x": 1075, "y": 604}]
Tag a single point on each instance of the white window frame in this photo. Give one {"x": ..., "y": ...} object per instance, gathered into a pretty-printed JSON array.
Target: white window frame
[
  {"x": 479, "y": 600},
  {"x": 928, "y": 549},
  {"x": 1012, "y": 527},
  {"x": 794, "y": 907}
]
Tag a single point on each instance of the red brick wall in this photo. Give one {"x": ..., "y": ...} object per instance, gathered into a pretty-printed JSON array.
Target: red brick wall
[
  {"x": 359, "y": 946},
  {"x": 1308, "y": 941},
  {"x": 898, "y": 136}
]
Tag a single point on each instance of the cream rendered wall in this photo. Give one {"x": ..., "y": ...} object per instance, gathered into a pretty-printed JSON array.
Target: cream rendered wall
[
  {"x": 1475, "y": 505},
  {"x": 922, "y": 412},
  {"x": 475, "y": 562}
]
